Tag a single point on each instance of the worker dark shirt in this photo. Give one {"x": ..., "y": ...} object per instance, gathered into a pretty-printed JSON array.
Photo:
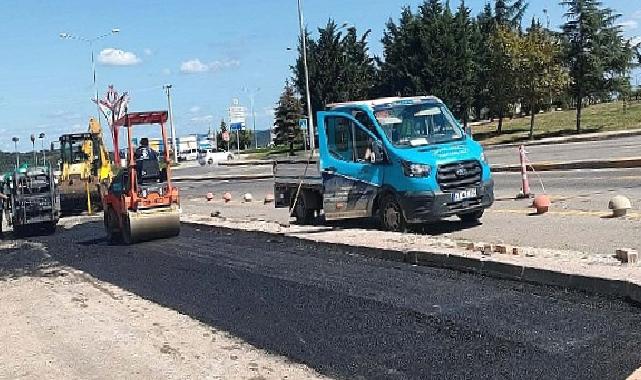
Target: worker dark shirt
[{"x": 146, "y": 153}]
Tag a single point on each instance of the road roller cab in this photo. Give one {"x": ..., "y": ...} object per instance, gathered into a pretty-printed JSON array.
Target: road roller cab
[{"x": 142, "y": 203}]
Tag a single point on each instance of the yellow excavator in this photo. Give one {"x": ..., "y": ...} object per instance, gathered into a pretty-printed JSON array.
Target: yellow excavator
[{"x": 85, "y": 170}]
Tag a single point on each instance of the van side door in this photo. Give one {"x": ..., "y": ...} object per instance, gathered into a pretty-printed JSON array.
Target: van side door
[{"x": 350, "y": 180}]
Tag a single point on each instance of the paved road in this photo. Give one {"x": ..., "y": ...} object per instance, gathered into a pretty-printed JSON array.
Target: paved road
[
  {"x": 615, "y": 148},
  {"x": 576, "y": 221},
  {"x": 352, "y": 317}
]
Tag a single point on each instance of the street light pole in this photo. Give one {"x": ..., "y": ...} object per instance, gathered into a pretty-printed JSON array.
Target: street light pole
[
  {"x": 303, "y": 36},
  {"x": 15, "y": 148},
  {"x": 33, "y": 148},
  {"x": 252, "y": 95},
  {"x": 90, "y": 42},
  {"x": 167, "y": 88},
  {"x": 41, "y": 136}
]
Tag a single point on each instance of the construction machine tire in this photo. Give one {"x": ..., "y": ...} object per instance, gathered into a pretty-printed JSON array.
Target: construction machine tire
[
  {"x": 111, "y": 226},
  {"x": 148, "y": 225}
]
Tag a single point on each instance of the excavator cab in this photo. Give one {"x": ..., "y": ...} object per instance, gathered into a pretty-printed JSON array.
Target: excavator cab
[{"x": 141, "y": 203}]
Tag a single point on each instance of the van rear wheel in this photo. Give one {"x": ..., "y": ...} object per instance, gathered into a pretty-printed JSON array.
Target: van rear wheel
[{"x": 302, "y": 211}]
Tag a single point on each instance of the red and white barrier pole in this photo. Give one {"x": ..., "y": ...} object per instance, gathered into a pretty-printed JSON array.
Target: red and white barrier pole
[{"x": 525, "y": 189}]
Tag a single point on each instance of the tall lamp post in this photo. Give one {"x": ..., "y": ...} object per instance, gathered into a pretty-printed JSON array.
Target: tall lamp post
[
  {"x": 168, "y": 88},
  {"x": 33, "y": 148},
  {"x": 252, "y": 94},
  {"x": 310, "y": 116},
  {"x": 15, "y": 149},
  {"x": 41, "y": 136},
  {"x": 90, "y": 42}
]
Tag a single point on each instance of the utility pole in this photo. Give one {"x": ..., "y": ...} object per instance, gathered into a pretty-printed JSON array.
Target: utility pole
[
  {"x": 90, "y": 42},
  {"x": 254, "y": 122},
  {"x": 41, "y": 136},
  {"x": 33, "y": 148},
  {"x": 15, "y": 147},
  {"x": 167, "y": 88},
  {"x": 310, "y": 116}
]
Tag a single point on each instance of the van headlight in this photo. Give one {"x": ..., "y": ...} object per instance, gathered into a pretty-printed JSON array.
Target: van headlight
[{"x": 416, "y": 170}]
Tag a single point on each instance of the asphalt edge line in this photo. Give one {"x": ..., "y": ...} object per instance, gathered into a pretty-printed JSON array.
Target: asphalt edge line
[{"x": 484, "y": 266}]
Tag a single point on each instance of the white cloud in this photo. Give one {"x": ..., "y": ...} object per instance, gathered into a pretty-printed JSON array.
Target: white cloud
[
  {"x": 635, "y": 40},
  {"x": 117, "y": 57},
  {"x": 148, "y": 51},
  {"x": 629, "y": 24},
  {"x": 193, "y": 66},
  {"x": 197, "y": 66},
  {"x": 194, "y": 109},
  {"x": 166, "y": 72},
  {"x": 202, "y": 119},
  {"x": 221, "y": 65}
]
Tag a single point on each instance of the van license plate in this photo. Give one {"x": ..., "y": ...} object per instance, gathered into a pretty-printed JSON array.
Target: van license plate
[{"x": 463, "y": 195}]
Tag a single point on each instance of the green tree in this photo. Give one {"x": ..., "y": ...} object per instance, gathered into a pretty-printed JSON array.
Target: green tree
[
  {"x": 502, "y": 91},
  {"x": 509, "y": 13},
  {"x": 540, "y": 73},
  {"x": 340, "y": 66},
  {"x": 400, "y": 71},
  {"x": 287, "y": 114},
  {"x": 465, "y": 66},
  {"x": 595, "y": 50}
]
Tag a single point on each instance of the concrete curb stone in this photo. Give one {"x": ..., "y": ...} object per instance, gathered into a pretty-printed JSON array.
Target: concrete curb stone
[{"x": 482, "y": 265}]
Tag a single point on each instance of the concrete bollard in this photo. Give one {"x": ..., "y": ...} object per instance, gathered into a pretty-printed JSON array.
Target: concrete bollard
[
  {"x": 269, "y": 198},
  {"x": 227, "y": 197},
  {"x": 248, "y": 197},
  {"x": 619, "y": 206},
  {"x": 210, "y": 197}
]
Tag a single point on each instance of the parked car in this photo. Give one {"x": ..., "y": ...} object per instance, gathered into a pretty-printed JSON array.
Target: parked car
[{"x": 211, "y": 156}]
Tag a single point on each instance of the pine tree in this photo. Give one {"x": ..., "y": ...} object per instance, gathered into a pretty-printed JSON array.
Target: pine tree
[
  {"x": 465, "y": 64},
  {"x": 287, "y": 114},
  {"x": 509, "y": 13},
  {"x": 339, "y": 64},
  {"x": 594, "y": 48}
]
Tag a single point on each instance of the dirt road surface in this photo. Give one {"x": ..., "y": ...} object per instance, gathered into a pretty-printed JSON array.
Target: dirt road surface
[{"x": 62, "y": 323}]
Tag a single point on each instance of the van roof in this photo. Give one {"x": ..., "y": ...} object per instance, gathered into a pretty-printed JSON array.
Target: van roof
[{"x": 374, "y": 103}]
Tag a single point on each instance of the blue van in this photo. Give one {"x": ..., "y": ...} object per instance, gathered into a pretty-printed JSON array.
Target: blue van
[{"x": 403, "y": 160}]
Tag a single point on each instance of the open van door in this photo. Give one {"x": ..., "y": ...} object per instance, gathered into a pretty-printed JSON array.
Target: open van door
[{"x": 352, "y": 176}]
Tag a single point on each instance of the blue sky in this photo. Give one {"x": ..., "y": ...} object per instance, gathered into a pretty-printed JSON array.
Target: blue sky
[{"x": 208, "y": 50}]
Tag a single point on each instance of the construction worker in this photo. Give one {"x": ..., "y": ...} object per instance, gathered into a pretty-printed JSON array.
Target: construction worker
[
  {"x": 147, "y": 164},
  {"x": 144, "y": 152}
]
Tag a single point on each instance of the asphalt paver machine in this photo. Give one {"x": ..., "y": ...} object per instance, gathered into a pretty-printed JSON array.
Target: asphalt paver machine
[{"x": 141, "y": 203}]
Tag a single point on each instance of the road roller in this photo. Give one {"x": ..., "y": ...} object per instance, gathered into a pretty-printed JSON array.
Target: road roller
[{"x": 141, "y": 203}]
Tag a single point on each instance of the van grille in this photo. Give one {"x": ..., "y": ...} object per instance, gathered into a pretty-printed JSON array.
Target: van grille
[{"x": 459, "y": 175}]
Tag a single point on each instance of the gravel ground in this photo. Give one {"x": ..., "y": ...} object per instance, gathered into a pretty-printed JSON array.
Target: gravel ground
[
  {"x": 92, "y": 307},
  {"x": 59, "y": 322}
]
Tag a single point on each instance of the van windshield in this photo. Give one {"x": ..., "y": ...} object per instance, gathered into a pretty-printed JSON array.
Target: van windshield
[{"x": 412, "y": 125}]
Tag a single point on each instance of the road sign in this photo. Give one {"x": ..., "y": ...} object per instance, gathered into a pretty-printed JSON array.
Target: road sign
[
  {"x": 302, "y": 124},
  {"x": 237, "y": 126}
]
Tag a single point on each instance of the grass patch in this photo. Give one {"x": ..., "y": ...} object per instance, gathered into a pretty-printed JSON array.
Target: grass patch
[{"x": 596, "y": 118}]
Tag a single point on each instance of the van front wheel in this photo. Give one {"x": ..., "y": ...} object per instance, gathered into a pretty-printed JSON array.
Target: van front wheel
[
  {"x": 472, "y": 217},
  {"x": 391, "y": 214}
]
